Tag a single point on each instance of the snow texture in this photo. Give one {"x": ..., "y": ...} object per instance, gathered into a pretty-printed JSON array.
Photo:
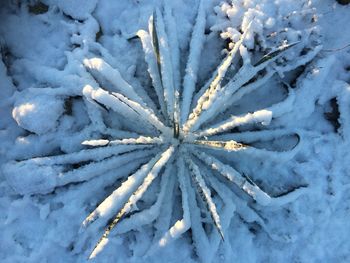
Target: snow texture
[{"x": 174, "y": 131}]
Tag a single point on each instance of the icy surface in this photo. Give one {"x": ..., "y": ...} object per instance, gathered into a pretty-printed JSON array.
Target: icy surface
[{"x": 43, "y": 114}]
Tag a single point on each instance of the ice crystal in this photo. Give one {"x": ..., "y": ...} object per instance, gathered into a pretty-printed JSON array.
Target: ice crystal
[{"x": 175, "y": 134}]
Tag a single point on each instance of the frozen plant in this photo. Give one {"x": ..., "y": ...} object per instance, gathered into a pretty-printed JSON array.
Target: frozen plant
[{"x": 176, "y": 134}]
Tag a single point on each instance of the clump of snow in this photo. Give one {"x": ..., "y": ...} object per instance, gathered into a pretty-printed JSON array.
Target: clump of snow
[
  {"x": 37, "y": 113},
  {"x": 268, "y": 23}
]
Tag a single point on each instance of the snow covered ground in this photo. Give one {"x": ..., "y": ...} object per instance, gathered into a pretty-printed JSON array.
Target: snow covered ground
[{"x": 50, "y": 55}]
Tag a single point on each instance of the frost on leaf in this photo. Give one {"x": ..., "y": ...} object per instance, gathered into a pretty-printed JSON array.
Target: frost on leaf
[{"x": 180, "y": 133}]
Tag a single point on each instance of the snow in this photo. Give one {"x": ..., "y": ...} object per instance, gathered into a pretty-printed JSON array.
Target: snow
[
  {"x": 83, "y": 131},
  {"x": 74, "y": 8},
  {"x": 196, "y": 47},
  {"x": 30, "y": 110}
]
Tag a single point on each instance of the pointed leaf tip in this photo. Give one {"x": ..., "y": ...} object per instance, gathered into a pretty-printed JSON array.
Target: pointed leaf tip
[{"x": 275, "y": 53}]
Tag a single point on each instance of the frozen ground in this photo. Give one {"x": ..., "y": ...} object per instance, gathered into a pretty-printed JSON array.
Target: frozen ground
[{"x": 42, "y": 113}]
